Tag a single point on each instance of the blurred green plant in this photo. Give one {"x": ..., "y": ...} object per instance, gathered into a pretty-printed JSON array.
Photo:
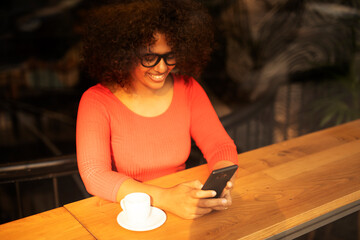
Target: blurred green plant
[{"x": 343, "y": 106}]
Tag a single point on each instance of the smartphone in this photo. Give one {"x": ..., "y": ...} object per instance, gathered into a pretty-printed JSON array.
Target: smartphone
[{"x": 218, "y": 179}]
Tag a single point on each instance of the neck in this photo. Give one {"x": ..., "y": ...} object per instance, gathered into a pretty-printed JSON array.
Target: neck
[{"x": 141, "y": 91}]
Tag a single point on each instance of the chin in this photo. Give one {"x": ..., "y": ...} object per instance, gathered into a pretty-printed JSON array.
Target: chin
[{"x": 157, "y": 85}]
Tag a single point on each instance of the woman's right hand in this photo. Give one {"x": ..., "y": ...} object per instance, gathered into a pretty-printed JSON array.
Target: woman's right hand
[
  {"x": 188, "y": 201},
  {"x": 185, "y": 200}
]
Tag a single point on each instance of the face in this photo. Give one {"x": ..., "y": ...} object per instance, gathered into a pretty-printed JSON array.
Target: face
[{"x": 153, "y": 78}]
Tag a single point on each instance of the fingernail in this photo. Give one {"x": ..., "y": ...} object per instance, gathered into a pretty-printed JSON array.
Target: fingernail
[
  {"x": 214, "y": 193},
  {"x": 224, "y": 201}
]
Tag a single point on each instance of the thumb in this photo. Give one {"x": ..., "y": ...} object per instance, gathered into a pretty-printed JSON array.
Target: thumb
[{"x": 195, "y": 184}]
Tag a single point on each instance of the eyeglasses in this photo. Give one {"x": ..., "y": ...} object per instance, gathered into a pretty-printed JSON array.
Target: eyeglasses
[{"x": 152, "y": 59}]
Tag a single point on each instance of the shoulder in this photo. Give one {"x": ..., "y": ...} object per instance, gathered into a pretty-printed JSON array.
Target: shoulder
[
  {"x": 96, "y": 93},
  {"x": 96, "y": 90},
  {"x": 96, "y": 97},
  {"x": 187, "y": 82}
]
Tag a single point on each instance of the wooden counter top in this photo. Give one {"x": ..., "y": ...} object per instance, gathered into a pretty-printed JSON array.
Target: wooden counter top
[{"x": 285, "y": 189}]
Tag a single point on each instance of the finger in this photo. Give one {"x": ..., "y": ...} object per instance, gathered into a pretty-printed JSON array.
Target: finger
[
  {"x": 198, "y": 184},
  {"x": 213, "y": 203},
  {"x": 203, "y": 193},
  {"x": 226, "y": 191},
  {"x": 227, "y": 196},
  {"x": 202, "y": 211},
  {"x": 229, "y": 185},
  {"x": 220, "y": 208},
  {"x": 194, "y": 184}
]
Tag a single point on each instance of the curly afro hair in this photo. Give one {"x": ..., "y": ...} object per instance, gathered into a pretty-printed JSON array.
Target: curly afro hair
[{"x": 116, "y": 32}]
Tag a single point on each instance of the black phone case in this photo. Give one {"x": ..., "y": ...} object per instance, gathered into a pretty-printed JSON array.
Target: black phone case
[{"x": 218, "y": 179}]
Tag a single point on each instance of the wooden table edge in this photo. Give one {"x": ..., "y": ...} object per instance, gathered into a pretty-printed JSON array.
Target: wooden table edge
[
  {"x": 352, "y": 205},
  {"x": 318, "y": 222}
]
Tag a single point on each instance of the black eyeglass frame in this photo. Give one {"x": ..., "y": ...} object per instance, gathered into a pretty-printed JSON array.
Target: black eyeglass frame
[{"x": 159, "y": 57}]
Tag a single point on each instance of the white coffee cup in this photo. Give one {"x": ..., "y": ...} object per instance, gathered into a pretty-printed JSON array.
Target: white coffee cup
[{"x": 136, "y": 207}]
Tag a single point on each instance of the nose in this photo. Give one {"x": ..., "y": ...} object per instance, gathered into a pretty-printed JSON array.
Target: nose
[{"x": 161, "y": 67}]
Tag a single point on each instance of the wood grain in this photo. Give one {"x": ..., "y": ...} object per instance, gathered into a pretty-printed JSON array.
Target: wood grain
[{"x": 54, "y": 224}]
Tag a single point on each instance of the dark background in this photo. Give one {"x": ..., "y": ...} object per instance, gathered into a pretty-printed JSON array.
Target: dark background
[{"x": 302, "y": 55}]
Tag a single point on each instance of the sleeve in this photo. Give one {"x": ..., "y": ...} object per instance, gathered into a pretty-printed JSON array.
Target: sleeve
[
  {"x": 93, "y": 148},
  {"x": 207, "y": 130}
]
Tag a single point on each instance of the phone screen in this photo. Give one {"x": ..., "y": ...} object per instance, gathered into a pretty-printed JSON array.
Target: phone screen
[{"x": 218, "y": 179}]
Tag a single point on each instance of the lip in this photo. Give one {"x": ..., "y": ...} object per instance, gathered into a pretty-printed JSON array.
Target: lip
[{"x": 157, "y": 77}]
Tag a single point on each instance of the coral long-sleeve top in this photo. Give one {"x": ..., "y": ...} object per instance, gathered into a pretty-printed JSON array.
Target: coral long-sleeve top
[{"x": 114, "y": 144}]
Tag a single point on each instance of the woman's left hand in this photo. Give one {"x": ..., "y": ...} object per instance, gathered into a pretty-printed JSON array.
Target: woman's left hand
[{"x": 226, "y": 194}]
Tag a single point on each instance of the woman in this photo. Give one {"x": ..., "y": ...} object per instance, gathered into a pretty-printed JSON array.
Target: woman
[{"x": 137, "y": 123}]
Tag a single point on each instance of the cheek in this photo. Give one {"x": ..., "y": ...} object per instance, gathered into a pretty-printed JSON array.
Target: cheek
[{"x": 139, "y": 72}]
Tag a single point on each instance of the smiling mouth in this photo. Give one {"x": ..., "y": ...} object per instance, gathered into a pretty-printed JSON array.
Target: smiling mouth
[{"x": 157, "y": 77}]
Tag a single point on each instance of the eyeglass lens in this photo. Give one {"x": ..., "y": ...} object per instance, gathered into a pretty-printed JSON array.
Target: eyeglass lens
[{"x": 151, "y": 60}]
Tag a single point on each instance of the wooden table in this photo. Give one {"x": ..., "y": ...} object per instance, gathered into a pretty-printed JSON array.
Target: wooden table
[
  {"x": 54, "y": 224},
  {"x": 283, "y": 190}
]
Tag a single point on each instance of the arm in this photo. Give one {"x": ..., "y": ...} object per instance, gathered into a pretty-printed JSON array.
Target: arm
[
  {"x": 209, "y": 134},
  {"x": 93, "y": 147}
]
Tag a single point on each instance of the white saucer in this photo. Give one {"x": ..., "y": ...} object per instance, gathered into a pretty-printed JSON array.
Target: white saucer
[{"x": 156, "y": 219}]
